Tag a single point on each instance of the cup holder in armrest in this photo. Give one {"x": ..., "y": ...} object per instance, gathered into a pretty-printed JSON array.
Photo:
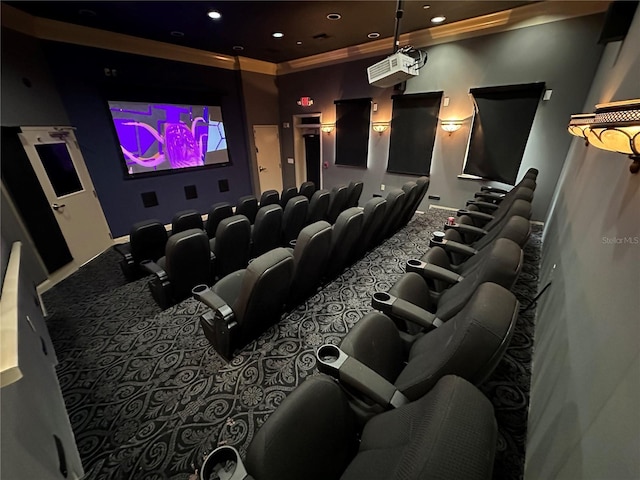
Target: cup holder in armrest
[
  {"x": 416, "y": 266},
  {"x": 199, "y": 289},
  {"x": 437, "y": 236},
  {"x": 330, "y": 359},
  {"x": 462, "y": 211},
  {"x": 382, "y": 301},
  {"x": 224, "y": 463}
]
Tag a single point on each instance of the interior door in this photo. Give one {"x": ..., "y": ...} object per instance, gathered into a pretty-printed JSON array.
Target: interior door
[
  {"x": 267, "y": 142},
  {"x": 312, "y": 157},
  {"x": 56, "y": 159}
]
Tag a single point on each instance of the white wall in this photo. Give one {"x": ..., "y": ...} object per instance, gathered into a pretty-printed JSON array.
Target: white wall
[{"x": 584, "y": 420}]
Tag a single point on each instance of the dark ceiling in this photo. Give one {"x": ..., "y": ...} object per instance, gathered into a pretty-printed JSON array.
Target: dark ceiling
[{"x": 250, "y": 24}]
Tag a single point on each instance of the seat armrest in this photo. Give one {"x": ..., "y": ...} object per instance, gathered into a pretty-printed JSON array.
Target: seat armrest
[
  {"x": 224, "y": 463},
  {"x": 154, "y": 269},
  {"x": 219, "y": 324},
  {"x": 350, "y": 371},
  {"x": 490, "y": 197},
  {"x": 451, "y": 246},
  {"x": 493, "y": 190},
  {"x": 401, "y": 309},
  {"x": 428, "y": 270},
  {"x": 465, "y": 229},
  {"x": 483, "y": 206},
  {"x": 481, "y": 217},
  {"x": 124, "y": 249}
]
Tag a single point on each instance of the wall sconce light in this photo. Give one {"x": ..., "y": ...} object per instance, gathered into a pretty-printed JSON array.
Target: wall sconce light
[
  {"x": 616, "y": 128},
  {"x": 451, "y": 125},
  {"x": 327, "y": 128},
  {"x": 579, "y": 124},
  {"x": 380, "y": 127}
]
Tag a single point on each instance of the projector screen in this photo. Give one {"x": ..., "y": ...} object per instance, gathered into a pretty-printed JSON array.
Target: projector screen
[{"x": 163, "y": 137}]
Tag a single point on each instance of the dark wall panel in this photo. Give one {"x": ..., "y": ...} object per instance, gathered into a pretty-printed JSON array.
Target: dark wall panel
[
  {"x": 353, "y": 120},
  {"x": 79, "y": 73}
]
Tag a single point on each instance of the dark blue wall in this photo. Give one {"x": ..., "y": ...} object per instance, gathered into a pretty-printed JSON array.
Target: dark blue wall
[{"x": 83, "y": 86}]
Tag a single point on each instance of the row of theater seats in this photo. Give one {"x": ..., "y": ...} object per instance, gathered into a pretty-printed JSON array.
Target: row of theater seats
[
  {"x": 272, "y": 222},
  {"x": 405, "y": 372},
  {"x": 247, "y": 302}
]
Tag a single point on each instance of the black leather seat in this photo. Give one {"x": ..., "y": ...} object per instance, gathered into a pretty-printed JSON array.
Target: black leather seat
[
  {"x": 294, "y": 219},
  {"x": 318, "y": 206},
  {"x": 217, "y": 213},
  {"x": 231, "y": 245},
  {"x": 308, "y": 189},
  {"x": 345, "y": 234},
  {"x": 247, "y": 302},
  {"x": 337, "y": 202},
  {"x": 186, "y": 220},
  {"x": 287, "y": 194},
  {"x": 411, "y": 191},
  {"x": 310, "y": 256},
  {"x": 187, "y": 263},
  {"x": 247, "y": 206},
  {"x": 265, "y": 232},
  {"x": 372, "y": 220},
  {"x": 448, "y": 434},
  {"x": 354, "y": 190},
  {"x": 488, "y": 198},
  {"x": 147, "y": 241},
  {"x": 269, "y": 197},
  {"x": 395, "y": 202},
  {"x": 470, "y": 345},
  {"x": 418, "y": 296},
  {"x": 422, "y": 187},
  {"x": 482, "y": 217}
]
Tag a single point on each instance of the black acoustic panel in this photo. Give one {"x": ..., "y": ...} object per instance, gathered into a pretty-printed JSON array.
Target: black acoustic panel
[
  {"x": 190, "y": 192},
  {"x": 353, "y": 119},
  {"x": 413, "y": 131},
  {"x": 223, "y": 185},
  {"x": 149, "y": 199},
  {"x": 501, "y": 129},
  {"x": 618, "y": 20},
  {"x": 24, "y": 188}
]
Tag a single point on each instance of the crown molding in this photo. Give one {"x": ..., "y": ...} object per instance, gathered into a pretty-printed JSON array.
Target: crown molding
[
  {"x": 526, "y": 16},
  {"x": 512, "y": 19}
]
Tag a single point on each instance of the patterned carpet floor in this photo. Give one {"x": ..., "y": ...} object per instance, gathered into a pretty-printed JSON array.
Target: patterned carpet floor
[{"x": 148, "y": 397}]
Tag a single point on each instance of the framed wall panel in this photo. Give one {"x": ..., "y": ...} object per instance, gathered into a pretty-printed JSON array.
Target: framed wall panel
[{"x": 353, "y": 119}]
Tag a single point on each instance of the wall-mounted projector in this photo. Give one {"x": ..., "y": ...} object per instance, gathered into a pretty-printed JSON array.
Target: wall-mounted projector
[{"x": 393, "y": 70}]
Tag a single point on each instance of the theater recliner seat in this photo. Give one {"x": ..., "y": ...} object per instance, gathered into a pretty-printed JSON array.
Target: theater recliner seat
[
  {"x": 310, "y": 256},
  {"x": 337, "y": 202},
  {"x": 287, "y": 194},
  {"x": 308, "y": 189},
  {"x": 269, "y": 197},
  {"x": 354, "y": 190},
  {"x": 411, "y": 191},
  {"x": 469, "y": 345},
  {"x": 294, "y": 218},
  {"x": 373, "y": 217},
  {"x": 217, "y": 213},
  {"x": 247, "y": 302},
  {"x": 449, "y": 434},
  {"x": 231, "y": 245},
  {"x": 147, "y": 241},
  {"x": 265, "y": 232},
  {"x": 186, "y": 220},
  {"x": 395, "y": 202},
  {"x": 187, "y": 263},
  {"x": 247, "y": 206},
  {"x": 345, "y": 234},
  {"x": 318, "y": 206}
]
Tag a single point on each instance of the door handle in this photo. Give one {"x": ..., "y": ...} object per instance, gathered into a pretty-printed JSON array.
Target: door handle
[
  {"x": 57, "y": 207},
  {"x": 261, "y": 168}
]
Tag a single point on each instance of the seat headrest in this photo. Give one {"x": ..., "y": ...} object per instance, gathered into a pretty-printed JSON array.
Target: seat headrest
[{"x": 236, "y": 221}]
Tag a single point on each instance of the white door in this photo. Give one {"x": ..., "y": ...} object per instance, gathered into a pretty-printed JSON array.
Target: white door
[
  {"x": 267, "y": 142},
  {"x": 63, "y": 175}
]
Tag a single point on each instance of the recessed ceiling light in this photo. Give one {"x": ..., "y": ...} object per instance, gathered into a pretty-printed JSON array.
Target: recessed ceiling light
[
  {"x": 334, "y": 16},
  {"x": 177, "y": 33},
  {"x": 373, "y": 35},
  {"x": 438, "y": 19},
  {"x": 87, "y": 13},
  {"x": 426, "y": 6},
  {"x": 238, "y": 48},
  {"x": 298, "y": 42},
  {"x": 277, "y": 34},
  {"x": 214, "y": 14}
]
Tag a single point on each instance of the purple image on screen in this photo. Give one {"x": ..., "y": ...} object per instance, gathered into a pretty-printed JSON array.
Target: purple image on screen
[{"x": 163, "y": 136}]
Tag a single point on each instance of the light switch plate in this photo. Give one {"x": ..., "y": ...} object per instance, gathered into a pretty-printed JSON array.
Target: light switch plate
[
  {"x": 547, "y": 94},
  {"x": 445, "y": 102},
  {"x": 290, "y": 160}
]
